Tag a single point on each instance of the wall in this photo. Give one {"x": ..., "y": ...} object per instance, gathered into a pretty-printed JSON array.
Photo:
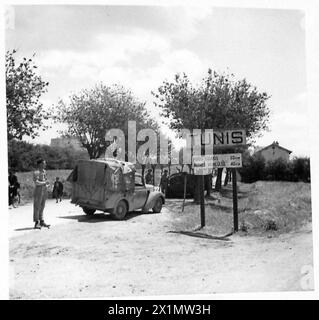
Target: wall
[{"x": 271, "y": 154}]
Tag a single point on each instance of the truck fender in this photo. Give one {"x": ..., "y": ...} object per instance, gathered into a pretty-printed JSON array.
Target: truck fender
[{"x": 153, "y": 196}]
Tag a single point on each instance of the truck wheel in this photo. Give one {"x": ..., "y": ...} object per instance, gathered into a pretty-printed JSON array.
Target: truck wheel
[
  {"x": 88, "y": 211},
  {"x": 158, "y": 205},
  {"x": 119, "y": 212}
]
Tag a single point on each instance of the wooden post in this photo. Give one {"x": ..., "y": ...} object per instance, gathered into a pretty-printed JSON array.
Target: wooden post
[
  {"x": 202, "y": 203},
  {"x": 235, "y": 200},
  {"x": 185, "y": 184}
]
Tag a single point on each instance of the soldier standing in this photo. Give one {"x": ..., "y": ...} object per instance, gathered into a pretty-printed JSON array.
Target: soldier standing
[
  {"x": 40, "y": 194},
  {"x": 164, "y": 182},
  {"x": 58, "y": 190},
  {"x": 149, "y": 177}
]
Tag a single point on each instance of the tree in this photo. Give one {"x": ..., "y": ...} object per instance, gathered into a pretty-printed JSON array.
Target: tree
[
  {"x": 24, "y": 88},
  {"x": 23, "y": 156},
  {"x": 218, "y": 102},
  {"x": 92, "y": 112}
]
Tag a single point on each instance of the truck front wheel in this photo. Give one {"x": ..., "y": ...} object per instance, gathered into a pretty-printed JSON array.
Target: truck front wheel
[{"x": 158, "y": 205}]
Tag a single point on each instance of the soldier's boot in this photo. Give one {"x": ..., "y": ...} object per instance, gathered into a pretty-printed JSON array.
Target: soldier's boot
[
  {"x": 43, "y": 224},
  {"x": 37, "y": 225}
]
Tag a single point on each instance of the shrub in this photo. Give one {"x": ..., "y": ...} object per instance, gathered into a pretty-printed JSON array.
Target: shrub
[
  {"x": 22, "y": 156},
  {"x": 253, "y": 168},
  {"x": 277, "y": 170},
  {"x": 301, "y": 169}
]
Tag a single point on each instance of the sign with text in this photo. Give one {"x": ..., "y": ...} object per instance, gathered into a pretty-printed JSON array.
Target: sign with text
[
  {"x": 203, "y": 165},
  {"x": 226, "y": 138},
  {"x": 227, "y": 160}
]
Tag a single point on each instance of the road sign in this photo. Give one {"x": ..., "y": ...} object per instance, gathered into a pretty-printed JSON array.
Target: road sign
[
  {"x": 224, "y": 138},
  {"x": 229, "y": 138},
  {"x": 203, "y": 165},
  {"x": 227, "y": 160}
]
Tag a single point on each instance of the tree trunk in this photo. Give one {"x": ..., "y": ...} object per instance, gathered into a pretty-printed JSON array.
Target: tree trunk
[
  {"x": 227, "y": 176},
  {"x": 218, "y": 184}
]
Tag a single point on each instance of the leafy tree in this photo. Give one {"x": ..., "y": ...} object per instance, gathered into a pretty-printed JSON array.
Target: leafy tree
[
  {"x": 301, "y": 169},
  {"x": 22, "y": 156},
  {"x": 24, "y": 88},
  {"x": 92, "y": 112},
  {"x": 218, "y": 102},
  {"x": 253, "y": 167}
]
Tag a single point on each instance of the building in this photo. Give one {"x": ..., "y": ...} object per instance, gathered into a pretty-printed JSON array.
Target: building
[
  {"x": 67, "y": 142},
  {"x": 273, "y": 152}
]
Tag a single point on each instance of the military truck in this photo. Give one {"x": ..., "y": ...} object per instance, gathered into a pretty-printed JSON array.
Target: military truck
[{"x": 113, "y": 186}]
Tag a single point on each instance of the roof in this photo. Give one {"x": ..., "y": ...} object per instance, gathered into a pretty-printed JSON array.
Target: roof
[
  {"x": 275, "y": 143},
  {"x": 114, "y": 163}
]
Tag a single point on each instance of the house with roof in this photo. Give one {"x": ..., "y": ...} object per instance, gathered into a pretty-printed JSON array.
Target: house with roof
[{"x": 273, "y": 152}]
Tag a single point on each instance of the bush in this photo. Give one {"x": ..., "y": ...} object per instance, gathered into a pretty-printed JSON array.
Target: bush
[
  {"x": 277, "y": 170},
  {"x": 255, "y": 168},
  {"x": 301, "y": 169},
  {"x": 22, "y": 156}
]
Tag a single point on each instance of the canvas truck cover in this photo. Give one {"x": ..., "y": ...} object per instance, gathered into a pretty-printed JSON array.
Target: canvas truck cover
[{"x": 94, "y": 180}]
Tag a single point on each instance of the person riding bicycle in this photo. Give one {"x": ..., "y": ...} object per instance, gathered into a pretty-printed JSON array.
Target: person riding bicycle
[{"x": 14, "y": 187}]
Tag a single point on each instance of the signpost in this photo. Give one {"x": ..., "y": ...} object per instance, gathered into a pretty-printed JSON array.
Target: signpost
[
  {"x": 202, "y": 165},
  {"x": 235, "y": 200},
  {"x": 233, "y": 161}
]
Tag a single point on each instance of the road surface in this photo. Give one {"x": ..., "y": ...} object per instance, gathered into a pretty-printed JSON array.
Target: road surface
[{"x": 81, "y": 257}]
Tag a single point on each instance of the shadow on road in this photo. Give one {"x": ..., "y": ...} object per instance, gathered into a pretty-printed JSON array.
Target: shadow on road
[
  {"x": 24, "y": 229},
  {"x": 100, "y": 217},
  {"x": 202, "y": 235}
]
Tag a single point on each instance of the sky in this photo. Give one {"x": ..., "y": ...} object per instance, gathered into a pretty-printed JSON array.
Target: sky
[{"x": 140, "y": 47}]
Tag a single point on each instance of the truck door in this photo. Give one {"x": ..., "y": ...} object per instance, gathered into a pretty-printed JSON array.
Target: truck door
[{"x": 140, "y": 193}]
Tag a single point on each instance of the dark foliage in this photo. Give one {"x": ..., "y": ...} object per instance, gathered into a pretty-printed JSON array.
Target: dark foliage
[
  {"x": 255, "y": 168},
  {"x": 22, "y": 156}
]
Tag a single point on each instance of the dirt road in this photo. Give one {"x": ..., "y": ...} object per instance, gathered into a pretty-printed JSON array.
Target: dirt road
[{"x": 83, "y": 257}]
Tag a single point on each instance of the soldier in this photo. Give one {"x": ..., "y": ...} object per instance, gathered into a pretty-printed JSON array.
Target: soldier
[
  {"x": 40, "y": 194},
  {"x": 57, "y": 189},
  {"x": 149, "y": 177},
  {"x": 14, "y": 187},
  {"x": 164, "y": 182}
]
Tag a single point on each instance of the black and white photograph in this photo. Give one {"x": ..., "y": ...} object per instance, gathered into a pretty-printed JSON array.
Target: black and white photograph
[{"x": 157, "y": 150}]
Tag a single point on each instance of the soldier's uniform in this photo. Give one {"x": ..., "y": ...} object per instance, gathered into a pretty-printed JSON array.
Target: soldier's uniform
[
  {"x": 40, "y": 195},
  {"x": 149, "y": 178},
  {"x": 164, "y": 183}
]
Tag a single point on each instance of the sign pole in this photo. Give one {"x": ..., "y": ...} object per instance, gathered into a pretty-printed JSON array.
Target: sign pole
[
  {"x": 202, "y": 202},
  {"x": 185, "y": 184},
  {"x": 235, "y": 200}
]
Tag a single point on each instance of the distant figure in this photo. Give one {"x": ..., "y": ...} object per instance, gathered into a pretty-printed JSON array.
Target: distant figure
[
  {"x": 149, "y": 177},
  {"x": 14, "y": 187},
  {"x": 40, "y": 194},
  {"x": 58, "y": 190},
  {"x": 164, "y": 182}
]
